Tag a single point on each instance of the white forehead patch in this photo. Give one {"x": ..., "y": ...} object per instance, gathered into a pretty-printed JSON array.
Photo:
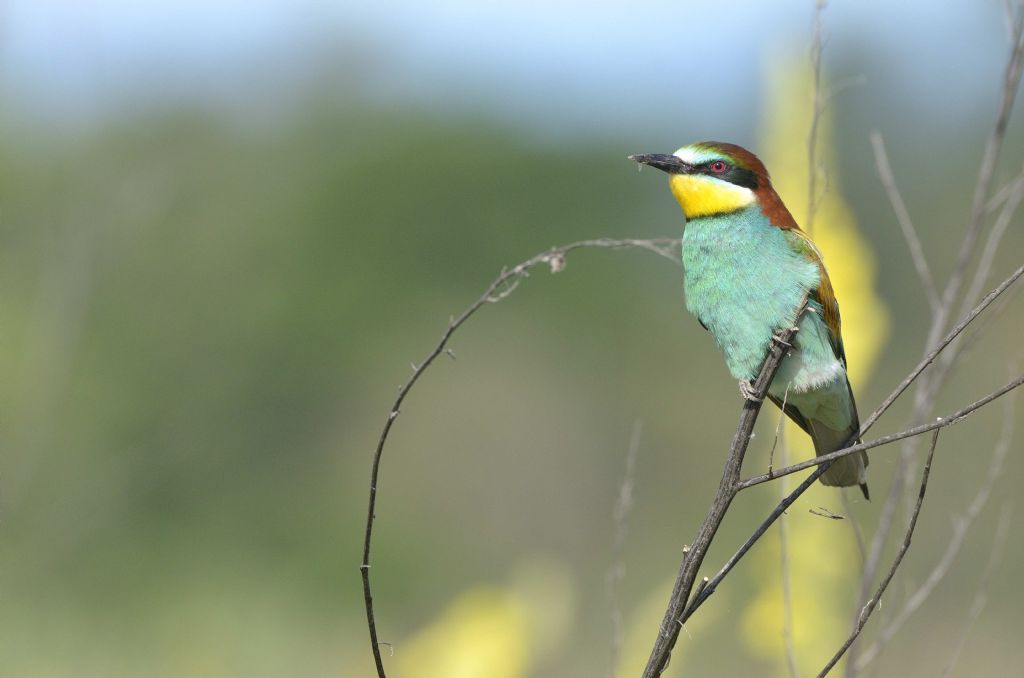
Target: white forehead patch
[{"x": 695, "y": 156}]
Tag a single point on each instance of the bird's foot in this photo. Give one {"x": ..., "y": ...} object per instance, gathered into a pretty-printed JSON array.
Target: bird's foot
[
  {"x": 747, "y": 391},
  {"x": 779, "y": 341}
]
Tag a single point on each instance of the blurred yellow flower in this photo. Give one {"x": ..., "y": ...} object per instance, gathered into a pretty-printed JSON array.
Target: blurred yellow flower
[
  {"x": 823, "y": 557},
  {"x": 494, "y": 632}
]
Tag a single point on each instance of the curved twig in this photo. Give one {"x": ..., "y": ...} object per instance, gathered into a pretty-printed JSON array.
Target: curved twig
[{"x": 500, "y": 288}]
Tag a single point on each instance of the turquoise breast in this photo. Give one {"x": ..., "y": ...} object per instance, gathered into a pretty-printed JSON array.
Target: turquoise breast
[{"x": 743, "y": 281}]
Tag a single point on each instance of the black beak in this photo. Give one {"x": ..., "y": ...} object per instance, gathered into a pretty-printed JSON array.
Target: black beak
[{"x": 666, "y": 163}]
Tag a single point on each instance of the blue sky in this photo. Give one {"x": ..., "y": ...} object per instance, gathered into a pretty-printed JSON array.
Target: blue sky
[{"x": 569, "y": 59}]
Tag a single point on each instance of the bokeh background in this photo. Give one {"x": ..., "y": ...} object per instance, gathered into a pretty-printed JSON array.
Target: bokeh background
[{"x": 227, "y": 229}]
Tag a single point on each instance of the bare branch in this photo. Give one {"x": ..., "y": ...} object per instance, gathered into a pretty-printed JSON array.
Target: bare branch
[
  {"x": 1008, "y": 18},
  {"x": 873, "y": 603},
  {"x": 995, "y": 236},
  {"x": 858, "y": 534},
  {"x": 778, "y": 430},
  {"x": 981, "y": 275},
  {"x": 787, "y": 592},
  {"x": 874, "y": 558},
  {"x": 904, "y": 220},
  {"x": 817, "y": 45},
  {"x": 1000, "y": 196},
  {"x": 500, "y": 288},
  {"x": 781, "y": 508},
  {"x": 693, "y": 556},
  {"x": 941, "y": 344}
]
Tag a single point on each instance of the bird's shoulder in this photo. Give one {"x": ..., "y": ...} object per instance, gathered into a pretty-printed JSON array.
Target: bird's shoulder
[{"x": 824, "y": 294}]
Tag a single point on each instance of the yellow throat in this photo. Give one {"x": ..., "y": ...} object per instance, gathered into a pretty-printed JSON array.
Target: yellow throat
[{"x": 700, "y": 195}]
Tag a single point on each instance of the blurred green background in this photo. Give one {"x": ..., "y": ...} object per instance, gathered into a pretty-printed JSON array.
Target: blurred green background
[{"x": 228, "y": 230}]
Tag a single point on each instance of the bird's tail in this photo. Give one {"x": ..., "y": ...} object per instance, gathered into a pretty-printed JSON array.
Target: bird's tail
[{"x": 845, "y": 471}]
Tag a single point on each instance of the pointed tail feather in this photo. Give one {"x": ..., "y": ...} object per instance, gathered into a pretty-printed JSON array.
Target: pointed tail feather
[{"x": 845, "y": 471}]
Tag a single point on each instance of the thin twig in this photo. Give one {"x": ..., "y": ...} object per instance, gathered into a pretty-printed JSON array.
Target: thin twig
[
  {"x": 986, "y": 171},
  {"x": 817, "y": 45},
  {"x": 858, "y": 534},
  {"x": 1008, "y": 18},
  {"x": 940, "y": 345},
  {"x": 787, "y": 588},
  {"x": 500, "y": 288},
  {"x": 970, "y": 339},
  {"x": 876, "y": 550},
  {"x": 988, "y": 252},
  {"x": 903, "y": 218},
  {"x": 1000, "y": 196},
  {"x": 778, "y": 430},
  {"x": 727, "y": 489},
  {"x": 617, "y": 571},
  {"x": 981, "y": 275},
  {"x": 873, "y": 603},
  {"x": 941, "y": 422},
  {"x": 779, "y": 509}
]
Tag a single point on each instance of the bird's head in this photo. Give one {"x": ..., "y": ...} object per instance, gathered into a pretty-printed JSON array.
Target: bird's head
[{"x": 711, "y": 178}]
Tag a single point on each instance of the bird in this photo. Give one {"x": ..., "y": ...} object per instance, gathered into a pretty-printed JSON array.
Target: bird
[{"x": 747, "y": 269}]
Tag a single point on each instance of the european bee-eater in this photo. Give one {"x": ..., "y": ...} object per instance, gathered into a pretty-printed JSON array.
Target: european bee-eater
[{"x": 747, "y": 266}]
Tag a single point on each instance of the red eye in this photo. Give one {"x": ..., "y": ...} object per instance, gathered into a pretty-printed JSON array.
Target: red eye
[{"x": 718, "y": 167}]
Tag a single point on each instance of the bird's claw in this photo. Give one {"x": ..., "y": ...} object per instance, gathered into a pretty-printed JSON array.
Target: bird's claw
[
  {"x": 779, "y": 341},
  {"x": 748, "y": 392}
]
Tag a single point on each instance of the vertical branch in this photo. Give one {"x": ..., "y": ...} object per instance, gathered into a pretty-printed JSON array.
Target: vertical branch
[
  {"x": 617, "y": 571},
  {"x": 903, "y": 219},
  {"x": 858, "y": 534},
  {"x": 817, "y": 43},
  {"x": 787, "y": 589},
  {"x": 983, "y": 186},
  {"x": 995, "y": 236},
  {"x": 693, "y": 555}
]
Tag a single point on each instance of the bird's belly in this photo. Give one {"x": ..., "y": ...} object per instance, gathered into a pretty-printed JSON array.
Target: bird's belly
[
  {"x": 812, "y": 379},
  {"x": 743, "y": 319},
  {"x": 811, "y": 363},
  {"x": 743, "y": 282}
]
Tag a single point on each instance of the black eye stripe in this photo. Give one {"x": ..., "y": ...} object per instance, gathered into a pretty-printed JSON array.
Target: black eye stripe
[{"x": 732, "y": 174}]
